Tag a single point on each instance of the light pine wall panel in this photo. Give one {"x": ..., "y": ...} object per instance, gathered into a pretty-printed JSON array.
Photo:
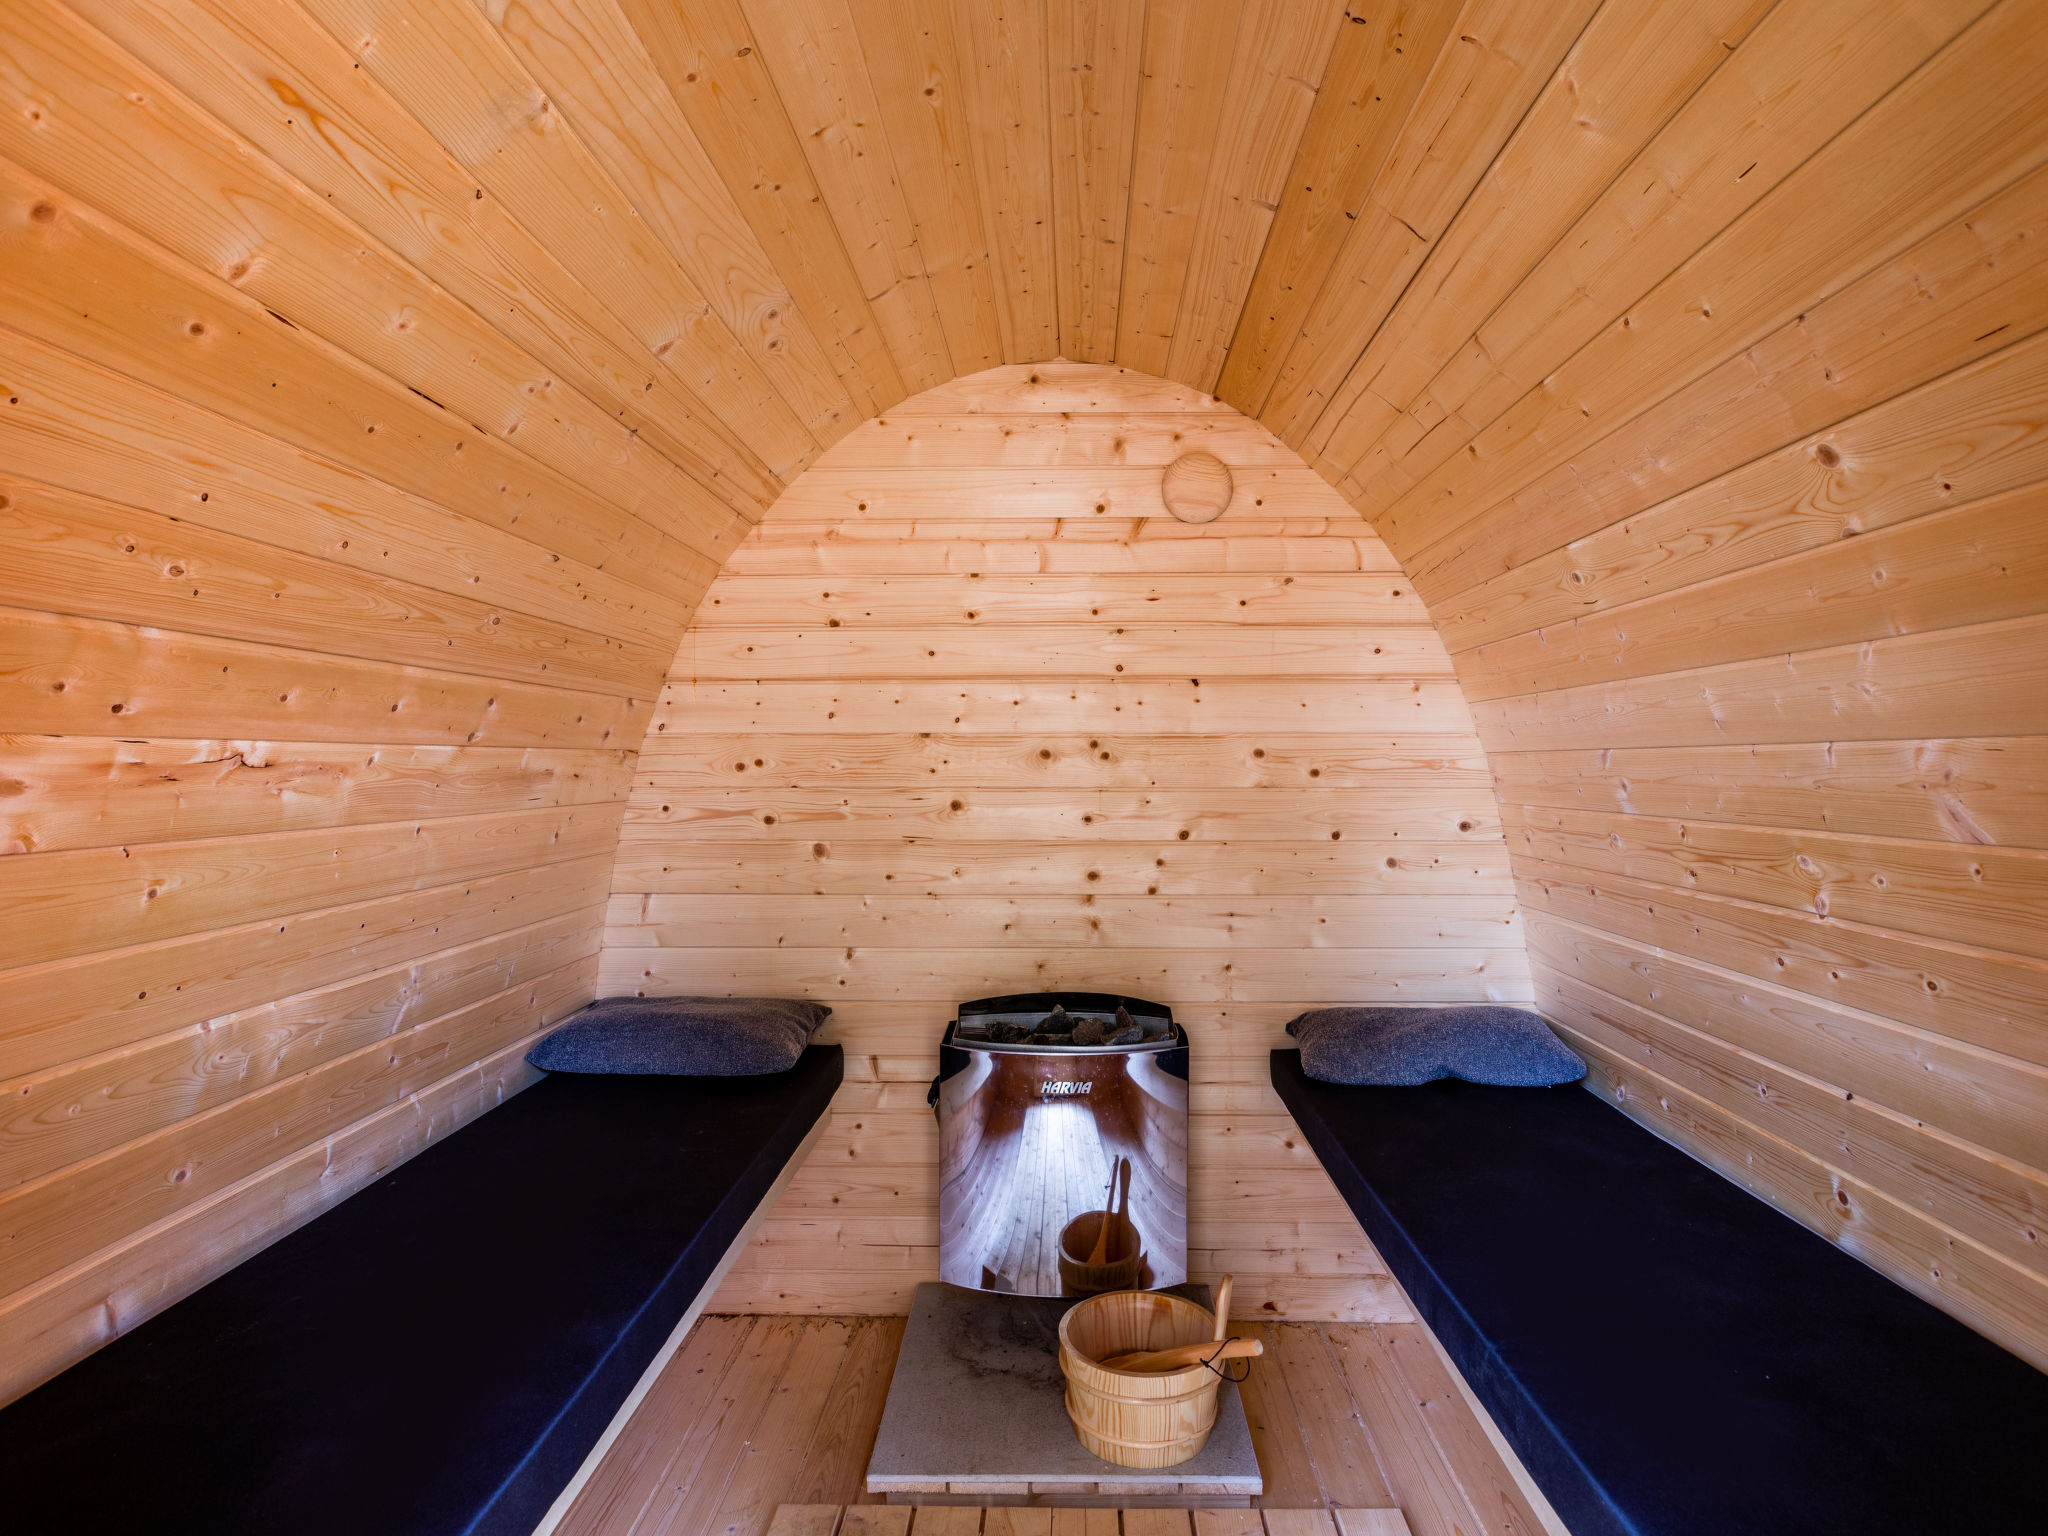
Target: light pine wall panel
[
  {"x": 346, "y": 540},
  {"x": 1240, "y": 791},
  {"x": 1740, "y": 577},
  {"x": 386, "y": 381}
]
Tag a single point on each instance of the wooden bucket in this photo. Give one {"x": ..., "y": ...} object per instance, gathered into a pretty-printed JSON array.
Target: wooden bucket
[
  {"x": 1118, "y": 1270},
  {"x": 1132, "y": 1418}
]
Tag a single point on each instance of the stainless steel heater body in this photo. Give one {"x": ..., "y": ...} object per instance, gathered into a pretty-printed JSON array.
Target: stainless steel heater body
[{"x": 1031, "y": 1130}]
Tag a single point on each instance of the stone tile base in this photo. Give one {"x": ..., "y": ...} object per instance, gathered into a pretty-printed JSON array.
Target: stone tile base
[{"x": 976, "y": 1415}]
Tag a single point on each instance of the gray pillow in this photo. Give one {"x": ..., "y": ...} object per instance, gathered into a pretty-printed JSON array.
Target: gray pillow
[
  {"x": 683, "y": 1036},
  {"x": 1400, "y": 1047}
]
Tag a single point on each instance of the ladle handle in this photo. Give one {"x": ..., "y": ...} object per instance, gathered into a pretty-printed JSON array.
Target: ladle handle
[
  {"x": 1223, "y": 1306},
  {"x": 1101, "y": 1249},
  {"x": 1181, "y": 1356}
]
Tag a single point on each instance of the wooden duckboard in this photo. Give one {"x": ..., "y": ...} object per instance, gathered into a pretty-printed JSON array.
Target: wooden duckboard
[{"x": 1073, "y": 1520}]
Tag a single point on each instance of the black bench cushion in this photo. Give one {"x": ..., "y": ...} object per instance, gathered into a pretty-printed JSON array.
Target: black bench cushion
[
  {"x": 1669, "y": 1355},
  {"x": 436, "y": 1354}
]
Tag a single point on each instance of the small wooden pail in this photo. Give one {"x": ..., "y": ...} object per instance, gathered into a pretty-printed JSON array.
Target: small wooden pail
[
  {"x": 1133, "y": 1418},
  {"x": 1118, "y": 1270}
]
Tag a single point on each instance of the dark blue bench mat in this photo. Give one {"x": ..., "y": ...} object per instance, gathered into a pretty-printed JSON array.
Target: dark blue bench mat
[
  {"x": 1669, "y": 1355},
  {"x": 436, "y": 1354}
]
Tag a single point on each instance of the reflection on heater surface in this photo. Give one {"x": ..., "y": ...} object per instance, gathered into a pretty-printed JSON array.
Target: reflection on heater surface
[{"x": 1029, "y": 1147}]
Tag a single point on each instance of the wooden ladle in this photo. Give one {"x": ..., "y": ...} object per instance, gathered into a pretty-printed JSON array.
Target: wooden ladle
[
  {"x": 1181, "y": 1356},
  {"x": 1100, "y": 1251}
]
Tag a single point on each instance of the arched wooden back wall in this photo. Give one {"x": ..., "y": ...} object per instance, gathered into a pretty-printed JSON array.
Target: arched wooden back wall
[
  {"x": 969, "y": 713},
  {"x": 386, "y": 380}
]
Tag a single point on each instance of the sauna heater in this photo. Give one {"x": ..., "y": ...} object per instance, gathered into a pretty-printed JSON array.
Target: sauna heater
[{"x": 1043, "y": 1099}]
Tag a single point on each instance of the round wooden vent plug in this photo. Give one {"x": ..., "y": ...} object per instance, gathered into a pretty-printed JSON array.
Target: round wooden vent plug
[{"x": 1196, "y": 487}]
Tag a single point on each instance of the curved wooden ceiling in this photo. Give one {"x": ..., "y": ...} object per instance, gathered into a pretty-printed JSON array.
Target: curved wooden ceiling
[{"x": 1690, "y": 355}]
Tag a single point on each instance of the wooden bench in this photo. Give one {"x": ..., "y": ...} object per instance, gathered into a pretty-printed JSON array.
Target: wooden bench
[
  {"x": 1669, "y": 1355},
  {"x": 439, "y": 1353}
]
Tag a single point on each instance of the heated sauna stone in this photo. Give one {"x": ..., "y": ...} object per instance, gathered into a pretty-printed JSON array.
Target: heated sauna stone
[
  {"x": 977, "y": 1407},
  {"x": 1669, "y": 1355},
  {"x": 435, "y": 1355}
]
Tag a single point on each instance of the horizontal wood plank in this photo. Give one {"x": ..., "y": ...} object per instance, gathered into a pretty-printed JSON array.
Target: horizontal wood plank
[
  {"x": 70, "y": 1009},
  {"x": 1193, "y": 705},
  {"x": 1313, "y": 922},
  {"x": 1114, "y": 546},
  {"x": 85, "y": 428},
  {"x": 1961, "y": 992},
  {"x": 817, "y": 867},
  {"x": 1970, "y": 565},
  {"x": 196, "y": 336},
  {"x": 87, "y": 677},
  {"x": 1991, "y": 1100},
  {"x": 89, "y": 1304},
  {"x": 1415, "y": 809},
  {"x": 1972, "y": 790},
  {"x": 72, "y": 903},
  {"x": 1994, "y": 1297},
  {"x": 93, "y": 559},
  {"x": 1109, "y": 761},
  {"x": 75, "y": 1111},
  {"x": 1097, "y": 648},
  {"x": 1964, "y": 437},
  {"x": 997, "y": 598},
  {"x": 884, "y": 974},
  {"x": 96, "y": 792},
  {"x": 67, "y": 1216},
  {"x": 1948, "y": 683},
  {"x": 1962, "y": 892},
  {"x": 1002, "y": 494}
]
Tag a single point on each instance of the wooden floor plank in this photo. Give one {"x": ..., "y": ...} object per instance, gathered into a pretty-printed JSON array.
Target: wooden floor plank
[
  {"x": 1486, "y": 1482},
  {"x": 875, "y": 1520},
  {"x": 691, "y": 1493},
  {"x": 763, "y": 1427},
  {"x": 946, "y": 1520},
  {"x": 1276, "y": 1429},
  {"x": 1422, "y": 1485},
  {"x": 1371, "y": 1522},
  {"x": 790, "y": 1421},
  {"x": 804, "y": 1520},
  {"x": 1347, "y": 1468},
  {"x": 623, "y": 1483},
  {"x": 835, "y": 1467}
]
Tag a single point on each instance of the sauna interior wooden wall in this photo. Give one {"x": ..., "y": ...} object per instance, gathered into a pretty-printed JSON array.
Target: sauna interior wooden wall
[
  {"x": 386, "y": 381},
  {"x": 969, "y": 713}
]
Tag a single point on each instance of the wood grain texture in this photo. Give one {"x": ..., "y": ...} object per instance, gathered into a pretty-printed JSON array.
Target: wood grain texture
[
  {"x": 1626, "y": 74},
  {"x": 269, "y": 72},
  {"x": 499, "y": 95},
  {"x": 1377, "y": 69},
  {"x": 1276, "y": 69},
  {"x": 1002, "y": 49},
  {"x": 922, "y": 87},
  {"x": 1498, "y": 59},
  {"x": 129, "y": 145},
  {"x": 383, "y": 383},
  {"x": 1190, "y": 46},
  {"x": 1092, "y": 74},
  {"x": 707, "y": 56},
  {"x": 1329, "y": 1405},
  {"x": 1250, "y": 833}
]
